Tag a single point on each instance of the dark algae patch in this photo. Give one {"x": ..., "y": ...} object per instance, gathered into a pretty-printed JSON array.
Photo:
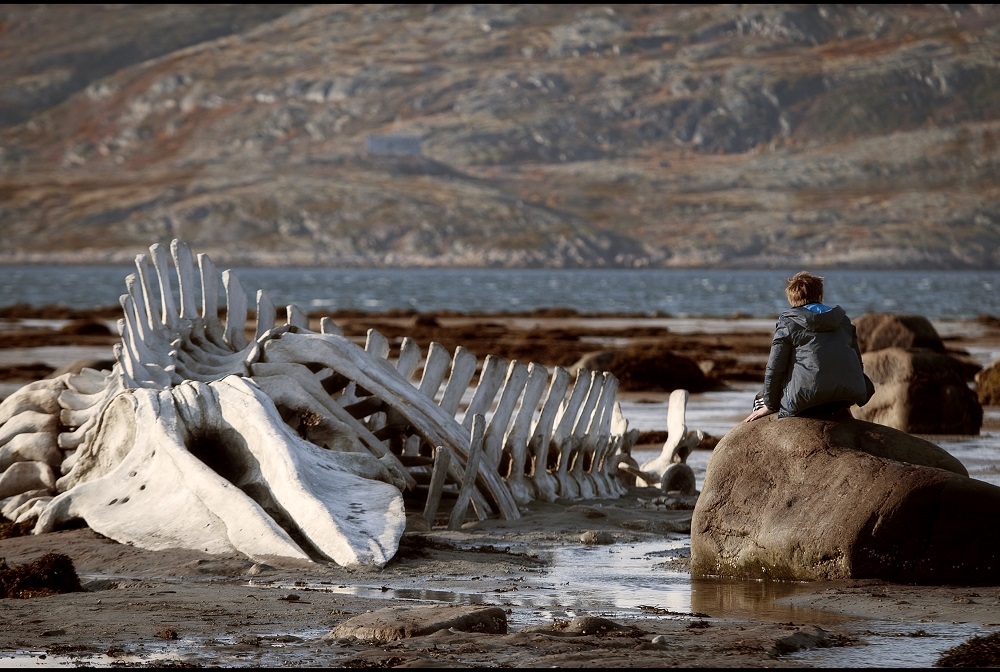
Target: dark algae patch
[
  {"x": 51, "y": 574},
  {"x": 977, "y": 652},
  {"x": 9, "y": 529}
]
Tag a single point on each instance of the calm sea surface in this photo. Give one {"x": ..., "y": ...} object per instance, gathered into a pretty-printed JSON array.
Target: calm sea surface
[{"x": 678, "y": 293}]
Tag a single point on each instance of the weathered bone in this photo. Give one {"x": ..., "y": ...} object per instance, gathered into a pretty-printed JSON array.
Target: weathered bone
[
  {"x": 442, "y": 462},
  {"x": 426, "y": 418},
  {"x": 596, "y": 438},
  {"x": 546, "y": 485},
  {"x": 22, "y": 476},
  {"x": 14, "y": 507},
  {"x": 473, "y": 461},
  {"x": 214, "y": 436},
  {"x": 292, "y": 443},
  {"x": 669, "y": 470},
  {"x": 516, "y": 440},
  {"x": 564, "y": 440}
]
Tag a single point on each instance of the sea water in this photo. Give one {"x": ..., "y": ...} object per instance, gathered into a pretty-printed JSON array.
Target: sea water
[{"x": 675, "y": 292}]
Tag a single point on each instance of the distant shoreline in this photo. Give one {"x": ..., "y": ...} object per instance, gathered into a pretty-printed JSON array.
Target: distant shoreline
[{"x": 127, "y": 258}]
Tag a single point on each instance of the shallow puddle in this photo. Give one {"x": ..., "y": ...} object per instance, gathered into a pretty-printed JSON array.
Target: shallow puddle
[{"x": 29, "y": 659}]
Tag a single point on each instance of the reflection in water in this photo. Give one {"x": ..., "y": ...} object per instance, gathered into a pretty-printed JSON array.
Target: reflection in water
[
  {"x": 613, "y": 581},
  {"x": 730, "y": 598}
]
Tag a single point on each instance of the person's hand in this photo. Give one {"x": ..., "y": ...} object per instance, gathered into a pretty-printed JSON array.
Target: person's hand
[{"x": 758, "y": 414}]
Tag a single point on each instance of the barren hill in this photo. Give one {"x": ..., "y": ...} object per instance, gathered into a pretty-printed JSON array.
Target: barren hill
[{"x": 503, "y": 135}]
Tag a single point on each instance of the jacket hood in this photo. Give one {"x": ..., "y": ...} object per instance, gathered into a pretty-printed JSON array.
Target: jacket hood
[{"x": 817, "y": 316}]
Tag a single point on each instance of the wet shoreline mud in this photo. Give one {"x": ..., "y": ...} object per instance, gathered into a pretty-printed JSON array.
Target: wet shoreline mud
[
  {"x": 145, "y": 608},
  {"x": 187, "y": 609}
]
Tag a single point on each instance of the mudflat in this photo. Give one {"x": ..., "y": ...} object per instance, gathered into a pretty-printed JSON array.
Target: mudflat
[{"x": 182, "y": 608}]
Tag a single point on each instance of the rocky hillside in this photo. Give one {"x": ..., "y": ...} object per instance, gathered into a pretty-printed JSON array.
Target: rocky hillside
[{"x": 503, "y": 135}]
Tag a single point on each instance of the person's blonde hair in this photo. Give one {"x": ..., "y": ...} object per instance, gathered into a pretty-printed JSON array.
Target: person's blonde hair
[{"x": 804, "y": 288}]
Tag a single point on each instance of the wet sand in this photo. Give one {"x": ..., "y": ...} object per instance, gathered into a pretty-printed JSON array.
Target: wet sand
[{"x": 185, "y": 609}]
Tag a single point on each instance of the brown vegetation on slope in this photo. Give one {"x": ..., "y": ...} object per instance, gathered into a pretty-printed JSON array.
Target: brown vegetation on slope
[{"x": 626, "y": 135}]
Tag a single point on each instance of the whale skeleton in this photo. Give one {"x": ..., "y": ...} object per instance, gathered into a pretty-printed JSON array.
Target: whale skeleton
[{"x": 289, "y": 442}]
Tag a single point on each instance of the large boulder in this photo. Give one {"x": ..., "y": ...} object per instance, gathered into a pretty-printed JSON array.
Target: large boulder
[
  {"x": 877, "y": 331},
  {"x": 920, "y": 392},
  {"x": 802, "y": 499}
]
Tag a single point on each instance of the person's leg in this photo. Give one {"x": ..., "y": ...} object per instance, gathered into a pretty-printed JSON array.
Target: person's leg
[{"x": 836, "y": 411}]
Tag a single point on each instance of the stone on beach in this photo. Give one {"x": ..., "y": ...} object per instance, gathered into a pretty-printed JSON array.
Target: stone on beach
[
  {"x": 920, "y": 392},
  {"x": 877, "y": 331},
  {"x": 919, "y": 387},
  {"x": 649, "y": 367},
  {"x": 402, "y": 621},
  {"x": 802, "y": 499}
]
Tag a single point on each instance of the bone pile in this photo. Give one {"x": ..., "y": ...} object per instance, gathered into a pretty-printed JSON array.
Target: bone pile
[{"x": 293, "y": 443}]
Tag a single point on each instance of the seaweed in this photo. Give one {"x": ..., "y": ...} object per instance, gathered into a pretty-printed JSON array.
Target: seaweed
[{"x": 52, "y": 574}]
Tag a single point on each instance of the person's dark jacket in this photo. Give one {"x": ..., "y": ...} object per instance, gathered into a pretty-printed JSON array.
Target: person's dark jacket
[{"x": 814, "y": 362}]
